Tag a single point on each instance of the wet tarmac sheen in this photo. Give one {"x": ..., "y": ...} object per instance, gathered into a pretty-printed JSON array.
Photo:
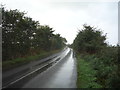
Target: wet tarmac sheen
[{"x": 61, "y": 75}]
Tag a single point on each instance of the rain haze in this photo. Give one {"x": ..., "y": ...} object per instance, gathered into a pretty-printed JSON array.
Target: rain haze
[{"x": 66, "y": 17}]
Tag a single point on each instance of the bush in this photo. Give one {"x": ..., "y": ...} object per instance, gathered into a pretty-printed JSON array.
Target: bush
[{"x": 86, "y": 75}]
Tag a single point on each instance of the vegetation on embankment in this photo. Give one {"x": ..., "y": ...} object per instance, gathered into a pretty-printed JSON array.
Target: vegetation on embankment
[
  {"x": 24, "y": 60},
  {"x": 86, "y": 74},
  {"x": 24, "y": 39},
  {"x": 97, "y": 59}
]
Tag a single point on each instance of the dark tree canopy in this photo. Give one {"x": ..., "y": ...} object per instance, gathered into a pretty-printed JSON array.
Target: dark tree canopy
[
  {"x": 89, "y": 40},
  {"x": 22, "y": 35}
]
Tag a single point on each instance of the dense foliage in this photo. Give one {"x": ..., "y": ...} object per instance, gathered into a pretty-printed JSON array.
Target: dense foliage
[
  {"x": 104, "y": 59},
  {"x": 89, "y": 40},
  {"x": 21, "y": 35},
  {"x": 86, "y": 74}
]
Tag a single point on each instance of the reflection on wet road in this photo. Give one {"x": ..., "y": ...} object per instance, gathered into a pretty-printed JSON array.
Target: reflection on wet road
[{"x": 60, "y": 75}]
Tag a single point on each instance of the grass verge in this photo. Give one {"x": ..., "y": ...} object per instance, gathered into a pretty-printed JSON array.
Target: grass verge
[
  {"x": 20, "y": 61},
  {"x": 86, "y": 74}
]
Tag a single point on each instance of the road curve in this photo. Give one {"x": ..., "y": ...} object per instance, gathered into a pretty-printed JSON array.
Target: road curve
[
  {"x": 59, "y": 72},
  {"x": 62, "y": 75}
]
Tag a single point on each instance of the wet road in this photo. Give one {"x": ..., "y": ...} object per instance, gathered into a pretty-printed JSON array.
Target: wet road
[
  {"x": 56, "y": 71},
  {"x": 61, "y": 75}
]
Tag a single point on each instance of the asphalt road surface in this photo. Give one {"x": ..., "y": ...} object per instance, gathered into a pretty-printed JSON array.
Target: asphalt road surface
[{"x": 56, "y": 71}]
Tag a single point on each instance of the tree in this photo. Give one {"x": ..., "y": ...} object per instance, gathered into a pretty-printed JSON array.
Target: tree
[
  {"x": 17, "y": 31},
  {"x": 21, "y": 36},
  {"x": 57, "y": 42},
  {"x": 89, "y": 40}
]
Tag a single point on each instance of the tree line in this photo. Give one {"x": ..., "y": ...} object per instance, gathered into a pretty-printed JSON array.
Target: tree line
[
  {"x": 90, "y": 44},
  {"x": 21, "y": 35}
]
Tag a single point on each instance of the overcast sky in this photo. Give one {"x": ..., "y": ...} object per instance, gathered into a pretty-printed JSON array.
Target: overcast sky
[{"x": 67, "y": 16}]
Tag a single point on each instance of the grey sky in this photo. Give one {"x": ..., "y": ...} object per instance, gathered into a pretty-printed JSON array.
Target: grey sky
[{"x": 66, "y": 17}]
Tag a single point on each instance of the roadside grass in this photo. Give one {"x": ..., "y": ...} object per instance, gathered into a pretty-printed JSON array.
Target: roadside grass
[
  {"x": 86, "y": 74},
  {"x": 6, "y": 65}
]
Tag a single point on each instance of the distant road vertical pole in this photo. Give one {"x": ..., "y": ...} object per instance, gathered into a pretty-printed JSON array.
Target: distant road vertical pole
[{"x": 0, "y": 46}]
